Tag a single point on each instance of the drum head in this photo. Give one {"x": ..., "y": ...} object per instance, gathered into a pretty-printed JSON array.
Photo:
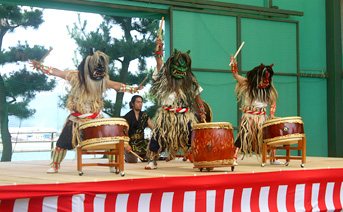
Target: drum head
[
  {"x": 103, "y": 121},
  {"x": 213, "y": 125},
  {"x": 292, "y": 119}
]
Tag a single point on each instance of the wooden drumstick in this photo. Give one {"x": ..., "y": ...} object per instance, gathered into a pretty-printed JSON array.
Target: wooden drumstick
[
  {"x": 143, "y": 81},
  {"x": 41, "y": 60},
  {"x": 239, "y": 49},
  {"x": 137, "y": 155},
  {"x": 159, "y": 34}
]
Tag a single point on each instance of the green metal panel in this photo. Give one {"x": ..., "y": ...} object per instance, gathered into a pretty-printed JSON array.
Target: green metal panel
[
  {"x": 219, "y": 94},
  {"x": 313, "y": 109},
  {"x": 312, "y": 37},
  {"x": 269, "y": 42},
  {"x": 211, "y": 38},
  {"x": 334, "y": 72},
  {"x": 287, "y": 90}
]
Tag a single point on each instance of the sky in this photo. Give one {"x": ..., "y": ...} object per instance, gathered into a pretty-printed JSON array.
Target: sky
[{"x": 53, "y": 33}]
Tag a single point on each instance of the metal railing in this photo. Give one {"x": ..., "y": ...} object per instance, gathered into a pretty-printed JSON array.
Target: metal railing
[{"x": 16, "y": 139}]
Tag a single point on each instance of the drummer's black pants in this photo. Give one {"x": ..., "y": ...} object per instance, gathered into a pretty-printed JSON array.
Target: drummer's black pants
[{"x": 66, "y": 136}]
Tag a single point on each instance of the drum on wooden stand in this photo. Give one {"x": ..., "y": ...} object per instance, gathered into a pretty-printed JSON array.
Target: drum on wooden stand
[
  {"x": 286, "y": 130},
  {"x": 281, "y": 133},
  {"x": 103, "y": 134},
  {"x": 213, "y": 145}
]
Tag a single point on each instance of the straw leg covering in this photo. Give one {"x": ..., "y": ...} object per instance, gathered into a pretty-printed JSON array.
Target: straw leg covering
[{"x": 171, "y": 132}]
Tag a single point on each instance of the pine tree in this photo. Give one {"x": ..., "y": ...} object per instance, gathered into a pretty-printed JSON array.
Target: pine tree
[
  {"x": 123, "y": 50},
  {"x": 19, "y": 87}
]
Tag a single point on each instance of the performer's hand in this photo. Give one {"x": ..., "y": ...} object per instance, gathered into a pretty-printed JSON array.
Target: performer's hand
[
  {"x": 233, "y": 60},
  {"x": 136, "y": 89},
  {"x": 203, "y": 117},
  {"x": 272, "y": 116},
  {"x": 159, "y": 42},
  {"x": 128, "y": 148},
  {"x": 34, "y": 64}
]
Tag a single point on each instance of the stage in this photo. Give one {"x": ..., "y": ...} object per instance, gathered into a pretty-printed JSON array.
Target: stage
[
  {"x": 174, "y": 186},
  {"x": 33, "y": 172}
]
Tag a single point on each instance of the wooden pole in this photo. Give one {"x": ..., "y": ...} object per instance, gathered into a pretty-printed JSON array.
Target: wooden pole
[
  {"x": 239, "y": 49},
  {"x": 140, "y": 85},
  {"x": 159, "y": 33},
  {"x": 41, "y": 60},
  {"x": 137, "y": 155}
]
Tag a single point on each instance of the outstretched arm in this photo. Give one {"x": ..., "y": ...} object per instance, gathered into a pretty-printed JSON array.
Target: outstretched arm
[
  {"x": 240, "y": 79},
  {"x": 120, "y": 87},
  {"x": 49, "y": 70}
]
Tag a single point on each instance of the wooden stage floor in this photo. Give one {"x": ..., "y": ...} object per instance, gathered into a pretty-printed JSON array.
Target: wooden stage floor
[{"x": 33, "y": 172}]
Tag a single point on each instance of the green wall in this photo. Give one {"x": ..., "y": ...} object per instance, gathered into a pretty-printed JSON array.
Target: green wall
[
  {"x": 210, "y": 47},
  {"x": 312, "y": 55},
  {"x": 313, "y": 110},
  {"x": 212, "y": 37}
]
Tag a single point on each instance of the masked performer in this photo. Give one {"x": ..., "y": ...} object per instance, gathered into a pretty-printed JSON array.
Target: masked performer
[
  {"x": 177, "y": 90},
  {"x": 138, "y": 121},
  {"x": 88, "y": 85},
  {"x": 257, "y": 91}
]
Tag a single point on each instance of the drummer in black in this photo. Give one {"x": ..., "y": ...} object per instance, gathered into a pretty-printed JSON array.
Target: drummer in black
[{"x": 138, "y": 121}]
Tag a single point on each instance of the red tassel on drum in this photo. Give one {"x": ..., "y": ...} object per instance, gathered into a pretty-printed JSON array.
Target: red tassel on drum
[
  {"x": 261, "y": 66},
  {"x": 272, "y": 65}
]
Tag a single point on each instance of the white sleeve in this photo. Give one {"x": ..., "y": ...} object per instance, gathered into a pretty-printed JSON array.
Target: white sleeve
[
  {"x": 199, "y": 90},
  {"x": 155, "y": 74}
]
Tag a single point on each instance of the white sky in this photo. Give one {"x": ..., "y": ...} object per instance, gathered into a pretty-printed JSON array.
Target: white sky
[{"x": 53, "y": 33}]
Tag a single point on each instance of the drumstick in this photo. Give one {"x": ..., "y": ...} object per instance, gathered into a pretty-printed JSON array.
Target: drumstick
[
  {"x": 159, "y": 34},
  {"x": 143, "y": 81},
  {"x": 137, "y": 155},
  {"x": 41, "y": 60},
  {"x": 239, "y": 49}
]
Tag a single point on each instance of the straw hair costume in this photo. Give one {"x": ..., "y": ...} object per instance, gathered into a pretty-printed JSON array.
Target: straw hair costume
[
  {"x": 176, "y": 88},
  {"x": 256, "y": 92},
  {"x": 85, "y": 101},
  {"x": 86, "y": 95}
]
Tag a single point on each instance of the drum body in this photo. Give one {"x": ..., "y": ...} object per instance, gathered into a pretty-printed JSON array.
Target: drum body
[
  {"x": 212, "y": 144},
  {"x": 280, "y": 131},
  {"x": 103, "y": 134}
]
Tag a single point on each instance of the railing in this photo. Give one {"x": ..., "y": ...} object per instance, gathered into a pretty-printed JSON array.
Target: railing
[{"x": 17, "y": 140}]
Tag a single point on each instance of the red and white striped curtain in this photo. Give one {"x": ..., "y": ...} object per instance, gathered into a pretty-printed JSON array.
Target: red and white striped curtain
[{"x": 304, "y": 190}]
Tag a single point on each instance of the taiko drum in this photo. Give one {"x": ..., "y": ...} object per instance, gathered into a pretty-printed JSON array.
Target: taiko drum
[
  {"x": 286, "y": 130},
  {"x": 212, "y": 144},
  {"x": 103, "y": 134}
]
